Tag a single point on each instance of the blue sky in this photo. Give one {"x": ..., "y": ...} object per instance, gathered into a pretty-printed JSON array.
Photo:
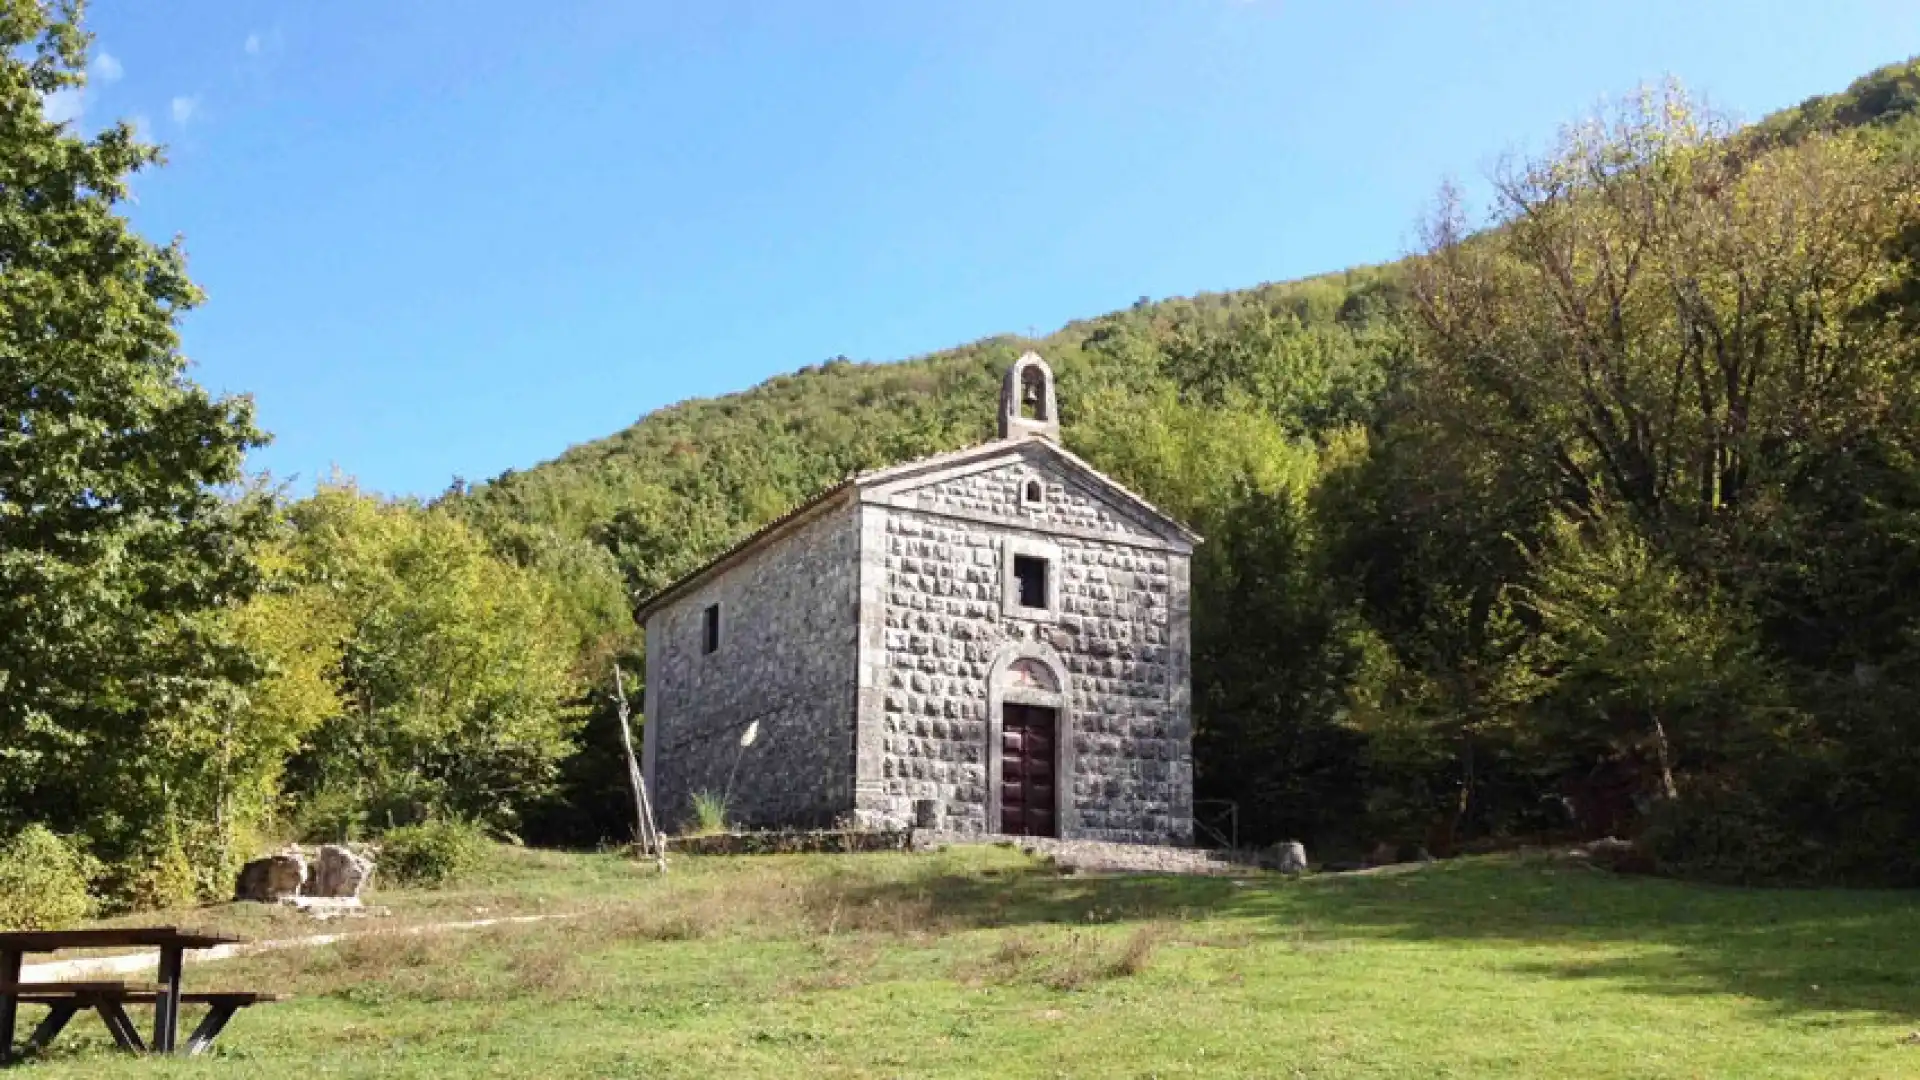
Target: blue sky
[{"x": 448, "y": 238}]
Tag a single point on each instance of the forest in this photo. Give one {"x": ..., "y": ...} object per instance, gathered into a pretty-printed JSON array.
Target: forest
[{"x": 1597, "y": 514}]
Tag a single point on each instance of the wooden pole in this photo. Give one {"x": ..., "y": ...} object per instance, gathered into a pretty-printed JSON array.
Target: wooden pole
[{"x": 645, "y": 831}]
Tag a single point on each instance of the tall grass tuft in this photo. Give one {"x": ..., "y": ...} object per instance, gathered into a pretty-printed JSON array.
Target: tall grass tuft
[{"x": 709, "y": 814}]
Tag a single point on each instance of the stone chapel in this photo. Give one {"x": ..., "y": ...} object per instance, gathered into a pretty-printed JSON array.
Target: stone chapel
[{"x": 993, "y": 640}]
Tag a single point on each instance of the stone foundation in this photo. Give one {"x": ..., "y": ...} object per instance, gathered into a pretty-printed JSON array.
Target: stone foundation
[
  {"x": 1101, "y": 857},
  {"x": 810, "y": 842}
]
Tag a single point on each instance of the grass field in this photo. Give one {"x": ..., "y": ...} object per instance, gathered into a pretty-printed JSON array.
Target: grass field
[{"x": 980, "y": 962}]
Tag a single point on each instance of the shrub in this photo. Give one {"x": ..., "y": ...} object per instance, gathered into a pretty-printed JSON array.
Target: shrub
[
  {"x": 434, "y": 853},
  {"x": 331, "y": 815},
  {"x": 165, "y": 879},
  {"x": 43, "y": 882},
  {"x": 709, "y": 814},
  {"x": 1732, "y": 835}
]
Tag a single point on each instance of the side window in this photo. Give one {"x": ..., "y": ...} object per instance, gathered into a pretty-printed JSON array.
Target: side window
[{"x": 710, "y": 629}]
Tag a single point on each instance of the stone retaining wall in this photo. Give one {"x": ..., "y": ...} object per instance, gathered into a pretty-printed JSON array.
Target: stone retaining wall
[{"x": 811, "y": 842}]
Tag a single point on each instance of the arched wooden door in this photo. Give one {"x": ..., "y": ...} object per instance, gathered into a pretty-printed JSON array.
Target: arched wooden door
[{"x": 1029, "y": 770}]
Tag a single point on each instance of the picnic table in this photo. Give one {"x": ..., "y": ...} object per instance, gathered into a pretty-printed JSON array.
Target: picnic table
[{"x": 110, "y": 999}]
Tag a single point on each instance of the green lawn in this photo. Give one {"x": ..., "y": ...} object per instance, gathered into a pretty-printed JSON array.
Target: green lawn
[{"x": 982, "y": 962}]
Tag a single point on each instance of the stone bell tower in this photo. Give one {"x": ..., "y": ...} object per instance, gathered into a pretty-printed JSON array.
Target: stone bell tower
[{"x": 1027, "y": 404}]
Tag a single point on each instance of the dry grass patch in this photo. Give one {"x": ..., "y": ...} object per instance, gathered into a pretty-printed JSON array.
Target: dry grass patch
[
  {"x": 831, "y": 907},
  {"x": 548, "y": 967},
  {"x": 372, "y": 967},
  {"x": 845, "y": 964},
  {"x": 1139, "y": 951},
  {"x": 1073, "y": 961}
]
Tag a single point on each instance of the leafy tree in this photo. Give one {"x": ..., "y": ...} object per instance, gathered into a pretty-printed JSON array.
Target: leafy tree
[
  {"x": 1661, "y": 317},
  {"x": 119, "y": 545},
  {"x": 1275, "y": 649},
  {"x": 1638, "y": 662},
  {"x": 454, "y": 676}
]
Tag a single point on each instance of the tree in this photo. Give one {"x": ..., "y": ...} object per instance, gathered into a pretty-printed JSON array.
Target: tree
[
  {"x": 1638, "y": 663},
  {"x": 1683, "y": 351},
  {"x": 119, "y": 547},
  {"x": 1664, "y": 315},
  {"x": 451, "y": 669}
]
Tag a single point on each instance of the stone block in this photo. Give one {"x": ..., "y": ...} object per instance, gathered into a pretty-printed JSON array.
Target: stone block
[
  {"x": 272, "y": 879},
  {"x": 338, "y": 872},
  {"x": 1288, "y": 857}
]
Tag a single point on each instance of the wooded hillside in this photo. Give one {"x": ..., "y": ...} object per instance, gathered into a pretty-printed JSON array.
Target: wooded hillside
[
  {"x": 1597, "y": 509},
  {"x": 1599, "y": 514}
]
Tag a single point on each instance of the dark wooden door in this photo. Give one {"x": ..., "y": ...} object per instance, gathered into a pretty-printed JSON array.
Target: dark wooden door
[{"x": 1028, "y": 755}]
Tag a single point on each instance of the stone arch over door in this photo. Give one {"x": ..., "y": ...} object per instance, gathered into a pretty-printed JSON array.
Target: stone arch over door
[{"x": 1024, "y": 673}]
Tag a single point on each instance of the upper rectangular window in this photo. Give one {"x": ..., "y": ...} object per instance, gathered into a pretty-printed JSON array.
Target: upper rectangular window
[
  {"x": 710, "y": 629},
  {"x": 1030, "y": 579},
  {"x": 1030, "y": 572}
]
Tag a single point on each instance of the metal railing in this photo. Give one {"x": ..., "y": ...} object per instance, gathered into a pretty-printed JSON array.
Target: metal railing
[{"x": 1222, "y": 824}]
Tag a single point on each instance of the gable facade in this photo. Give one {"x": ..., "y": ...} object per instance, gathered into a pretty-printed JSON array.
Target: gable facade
[{"x": 956, "y": 643}]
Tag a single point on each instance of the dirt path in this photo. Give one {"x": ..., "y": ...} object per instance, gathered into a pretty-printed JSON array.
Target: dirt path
[{"x": 102, "y": 967}]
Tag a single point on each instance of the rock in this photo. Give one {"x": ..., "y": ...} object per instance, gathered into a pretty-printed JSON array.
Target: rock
[
  {"x": 338, "y": 872},
  {"x": 1615, "y": 854},
  {"x": 323, "y": 908},
  {"x": 271, "y": 879},
  {"x": 1289, "y": 857}
]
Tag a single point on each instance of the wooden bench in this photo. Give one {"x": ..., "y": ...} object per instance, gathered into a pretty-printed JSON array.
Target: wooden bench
[{"x": 110, "y": 999}]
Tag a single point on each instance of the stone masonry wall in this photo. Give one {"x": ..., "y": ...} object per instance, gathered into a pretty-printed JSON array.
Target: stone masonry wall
[
  {"x": 1120, "y": 630},
  {"x": 997, "y": 492},
  {"x": 787, "y": 659}
]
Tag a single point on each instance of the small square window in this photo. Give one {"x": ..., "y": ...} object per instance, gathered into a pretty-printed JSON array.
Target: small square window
[
  {"x": 1030, "y": 571},
  {"x": 1030, "y": 579},
  {"x": 710, "y": 629}
]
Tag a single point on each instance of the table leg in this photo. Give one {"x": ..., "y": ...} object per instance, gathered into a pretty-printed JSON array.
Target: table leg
[
  {"x": 119, "y": 1024},
  {"x": 210, "y": 1028},
  {"x": 53, "y": 1025},
  {"x": 9, "y": 1001},
  {"x": 166, "y": 1008}
]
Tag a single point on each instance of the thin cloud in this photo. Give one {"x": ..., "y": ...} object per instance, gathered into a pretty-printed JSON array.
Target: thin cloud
[
  {"x": 261, "y": 44},
  {"x": 107, "y": 69},
  {"x": 65, "y": 106},
  {"x": 184, "y": 109}
]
